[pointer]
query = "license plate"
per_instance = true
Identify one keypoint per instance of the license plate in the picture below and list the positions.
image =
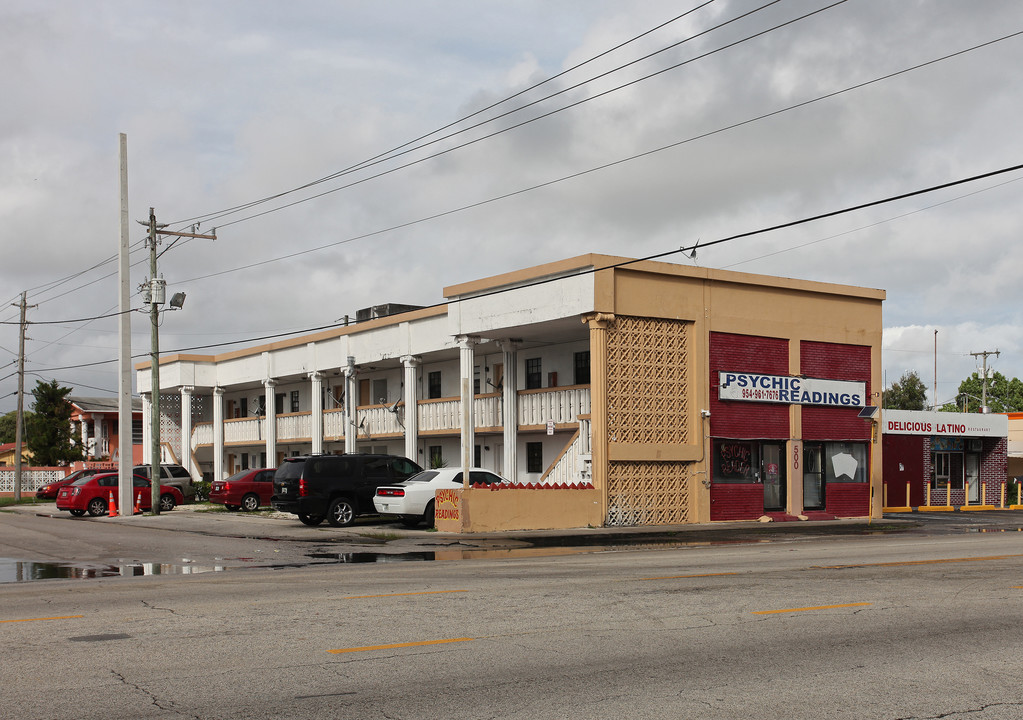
(284, 491)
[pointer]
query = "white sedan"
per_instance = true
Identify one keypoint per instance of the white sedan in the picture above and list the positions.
(412, 500)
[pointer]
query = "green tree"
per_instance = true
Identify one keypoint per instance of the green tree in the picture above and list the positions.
(1003, 394)
(906, 393)
(49, 432)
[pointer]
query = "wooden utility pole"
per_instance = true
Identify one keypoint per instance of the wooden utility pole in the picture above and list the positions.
(21, 402)
(157, 293)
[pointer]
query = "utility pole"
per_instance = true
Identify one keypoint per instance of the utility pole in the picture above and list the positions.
(157, 293)
(984, 354)
(156, 297)
(125, 417)
(21, 401)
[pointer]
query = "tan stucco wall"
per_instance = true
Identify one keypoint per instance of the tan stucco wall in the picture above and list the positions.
(744, 304)
(482, 510)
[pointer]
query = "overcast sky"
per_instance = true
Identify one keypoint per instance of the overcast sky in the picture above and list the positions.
(229, 102)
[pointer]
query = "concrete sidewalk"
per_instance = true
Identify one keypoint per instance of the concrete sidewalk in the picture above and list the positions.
(211, 520)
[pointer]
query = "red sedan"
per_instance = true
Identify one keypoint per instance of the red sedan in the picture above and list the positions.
(49, 490)
(91, 495)
(247, 489)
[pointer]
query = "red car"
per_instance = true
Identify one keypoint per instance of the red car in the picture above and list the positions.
(91, 495)
(247, 489)
(50, 489)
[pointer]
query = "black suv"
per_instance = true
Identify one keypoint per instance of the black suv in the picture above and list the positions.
(336, 487)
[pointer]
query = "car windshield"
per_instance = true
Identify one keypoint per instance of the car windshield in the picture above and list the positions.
(83, 480)
(239, 475)
(425, 476)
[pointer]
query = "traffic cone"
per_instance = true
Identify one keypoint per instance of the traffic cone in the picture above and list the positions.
(138, 503)
(112, 505)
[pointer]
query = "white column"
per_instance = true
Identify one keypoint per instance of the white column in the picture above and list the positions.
(270, 405)
(218, 433)
(351, 394)
(85, 437)
(511, 410)
(468, 416)
(316, 381)
(411, 363)
(147, 428)
(186, 428)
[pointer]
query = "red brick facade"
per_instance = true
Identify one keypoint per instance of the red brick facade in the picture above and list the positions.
(835, 362)
(764, 421)
(745, 353)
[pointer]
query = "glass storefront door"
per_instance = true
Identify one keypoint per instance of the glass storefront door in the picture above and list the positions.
(813, 477)
(772, 474)
(972, 472)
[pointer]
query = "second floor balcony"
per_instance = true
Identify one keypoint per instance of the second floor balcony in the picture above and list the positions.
(535, 409)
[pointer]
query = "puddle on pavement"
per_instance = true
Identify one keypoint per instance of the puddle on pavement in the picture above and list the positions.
(13, 571)
(453, 553)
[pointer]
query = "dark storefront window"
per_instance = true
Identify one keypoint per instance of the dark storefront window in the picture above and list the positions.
(831, 462)
(736, 461)
(753, 462)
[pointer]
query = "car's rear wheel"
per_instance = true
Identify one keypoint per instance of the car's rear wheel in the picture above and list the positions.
(428, 514)
(310, 520)
(250, 502)
(167, 502)
(77, 513)
(341, 513)
(97, 507)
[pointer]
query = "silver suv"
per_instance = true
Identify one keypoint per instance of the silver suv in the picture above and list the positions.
(173, 475)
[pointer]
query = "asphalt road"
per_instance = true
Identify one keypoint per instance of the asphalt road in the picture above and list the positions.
(904, 625)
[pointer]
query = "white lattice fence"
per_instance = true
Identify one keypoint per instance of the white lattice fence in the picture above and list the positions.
(31, 480)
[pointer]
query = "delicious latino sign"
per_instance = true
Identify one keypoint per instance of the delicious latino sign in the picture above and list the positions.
(911, 422)
(753, 387)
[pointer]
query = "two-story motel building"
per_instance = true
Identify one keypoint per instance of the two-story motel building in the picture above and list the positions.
(610, 391)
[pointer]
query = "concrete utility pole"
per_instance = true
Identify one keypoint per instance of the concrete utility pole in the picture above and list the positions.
(125, 421)
(21, 401)
(157, 293)
(984, 354)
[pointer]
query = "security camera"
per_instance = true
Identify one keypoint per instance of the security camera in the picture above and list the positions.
(705, 413)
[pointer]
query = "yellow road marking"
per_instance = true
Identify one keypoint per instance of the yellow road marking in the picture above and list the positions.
(676, 577)
(425, 592)
(399, 645)
(61, 617)
(915, 562)
(802, 609)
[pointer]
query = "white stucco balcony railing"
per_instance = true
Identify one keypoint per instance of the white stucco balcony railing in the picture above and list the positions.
(202, 434)
(488, 410)
(440, 414)
(295, 426)
(242, 430)
(562, 405)
(536, 407)
(334, 423)
(379, 420)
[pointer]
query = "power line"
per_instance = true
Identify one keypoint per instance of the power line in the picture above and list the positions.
(543, 281)
(529, 121)
(588, 171)
(68, 322)
(213, 215)
(207, 217)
